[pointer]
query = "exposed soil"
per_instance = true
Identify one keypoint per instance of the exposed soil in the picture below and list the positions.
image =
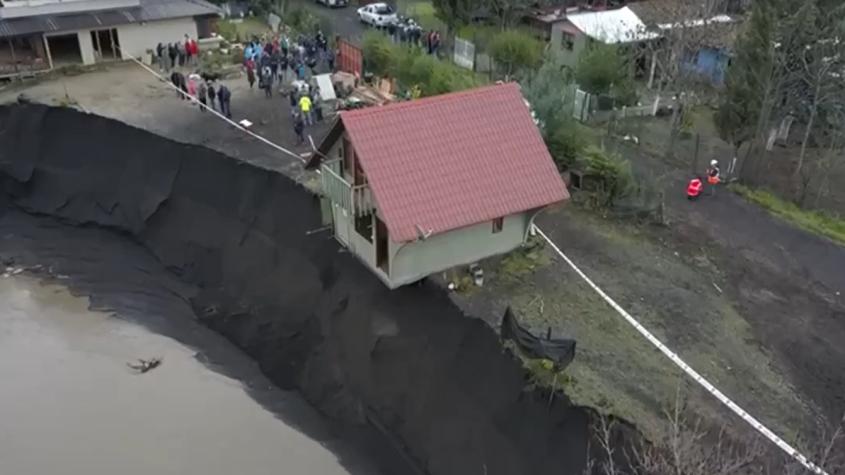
(408, 361)
(769, 336)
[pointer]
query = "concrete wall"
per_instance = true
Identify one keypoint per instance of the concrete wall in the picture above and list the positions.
(410, 262)
(136, 39)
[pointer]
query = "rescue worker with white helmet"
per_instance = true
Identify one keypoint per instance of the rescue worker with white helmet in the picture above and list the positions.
(713, 173)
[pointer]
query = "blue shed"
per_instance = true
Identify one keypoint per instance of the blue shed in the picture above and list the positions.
(709, 63)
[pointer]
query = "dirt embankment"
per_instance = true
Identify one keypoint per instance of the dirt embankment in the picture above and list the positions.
(312, 317)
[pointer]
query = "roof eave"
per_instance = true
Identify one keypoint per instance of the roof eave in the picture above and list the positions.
(332, 136)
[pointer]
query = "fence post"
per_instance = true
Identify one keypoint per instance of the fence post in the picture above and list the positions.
(695, 153)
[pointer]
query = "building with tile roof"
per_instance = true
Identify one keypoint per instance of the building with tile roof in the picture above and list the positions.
(418, 187)
(38, 35)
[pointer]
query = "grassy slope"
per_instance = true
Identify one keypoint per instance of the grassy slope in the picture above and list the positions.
(616, 369)
(831, 227)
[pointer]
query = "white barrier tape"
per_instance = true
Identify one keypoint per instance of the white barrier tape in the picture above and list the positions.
(221, 116)
(792, 452)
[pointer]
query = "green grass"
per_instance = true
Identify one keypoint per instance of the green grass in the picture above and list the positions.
(242, 30)
(823, 224)
(615, 370)
(423, 13)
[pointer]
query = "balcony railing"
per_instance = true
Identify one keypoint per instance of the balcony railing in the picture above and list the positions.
(357, 200)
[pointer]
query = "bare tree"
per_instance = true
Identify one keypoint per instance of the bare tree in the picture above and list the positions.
(688, 449)
(684, 27)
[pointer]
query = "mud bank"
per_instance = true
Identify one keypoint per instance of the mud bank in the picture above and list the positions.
(407, 361)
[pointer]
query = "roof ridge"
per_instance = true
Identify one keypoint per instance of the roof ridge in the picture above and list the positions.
(416, 103)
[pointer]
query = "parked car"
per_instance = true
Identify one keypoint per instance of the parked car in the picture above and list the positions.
(377, 14)
(334, 3)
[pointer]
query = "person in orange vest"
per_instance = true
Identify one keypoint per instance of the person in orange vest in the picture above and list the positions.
(694, 188)
(713, 173)
(713, 176)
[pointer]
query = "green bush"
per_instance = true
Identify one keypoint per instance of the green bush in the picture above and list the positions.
(515, 50)
(227, 29)
(302, 21)
(566, 143)
(625, 93)
(411, 67)
(612, 172)
(600, 68)
(380, 55)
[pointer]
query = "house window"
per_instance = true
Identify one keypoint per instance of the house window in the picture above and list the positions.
(498, 224)
(364, 226)
(567, 42)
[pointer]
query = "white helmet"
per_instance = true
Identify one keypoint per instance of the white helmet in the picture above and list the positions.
(713, 163)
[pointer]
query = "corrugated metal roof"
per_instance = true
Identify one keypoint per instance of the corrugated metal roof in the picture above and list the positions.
(150, 10)
(612, 26)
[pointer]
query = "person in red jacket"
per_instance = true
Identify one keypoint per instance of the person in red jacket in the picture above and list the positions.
(195, 51)
(694, 188)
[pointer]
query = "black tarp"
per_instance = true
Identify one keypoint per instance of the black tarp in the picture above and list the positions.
(561, 351)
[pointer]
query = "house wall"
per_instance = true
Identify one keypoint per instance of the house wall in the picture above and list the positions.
(86, 47)
(410, 262)
(135, 39)
(567, 57)
(345, 232)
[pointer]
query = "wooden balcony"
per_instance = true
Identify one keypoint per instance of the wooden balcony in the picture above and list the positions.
(357, 200)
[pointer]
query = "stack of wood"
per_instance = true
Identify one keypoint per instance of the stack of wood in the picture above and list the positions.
(372, 96)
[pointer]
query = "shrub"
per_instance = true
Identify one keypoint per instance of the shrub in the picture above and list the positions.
(566, 144)
(380, 55)
(613, 173)
(601, 67)
(227, 29)
(302, 21)
(550, 91)
(412, 68)
(515, 50)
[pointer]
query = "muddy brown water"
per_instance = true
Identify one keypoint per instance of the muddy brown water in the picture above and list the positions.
(70, 404)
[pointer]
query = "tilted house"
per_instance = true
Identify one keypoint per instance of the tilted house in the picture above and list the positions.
(418, 187)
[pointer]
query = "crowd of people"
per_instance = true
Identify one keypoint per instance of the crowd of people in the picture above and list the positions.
(180, 53)
(281, 59)
(205, 89)
(407, 31)
(267, 62)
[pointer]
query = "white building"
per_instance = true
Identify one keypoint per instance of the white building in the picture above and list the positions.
(38, 35)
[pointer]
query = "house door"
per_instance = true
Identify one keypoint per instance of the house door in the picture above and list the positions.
(106, 44)
(381, 247)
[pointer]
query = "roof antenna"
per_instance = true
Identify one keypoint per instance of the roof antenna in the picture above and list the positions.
(422, 235)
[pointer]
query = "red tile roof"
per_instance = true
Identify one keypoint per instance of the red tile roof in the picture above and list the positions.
(450, 161)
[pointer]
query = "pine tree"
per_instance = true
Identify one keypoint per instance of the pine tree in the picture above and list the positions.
(748, 78)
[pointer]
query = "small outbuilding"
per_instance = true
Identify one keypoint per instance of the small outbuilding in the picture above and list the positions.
(40, 35)
(612, 27)
(418, 187)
